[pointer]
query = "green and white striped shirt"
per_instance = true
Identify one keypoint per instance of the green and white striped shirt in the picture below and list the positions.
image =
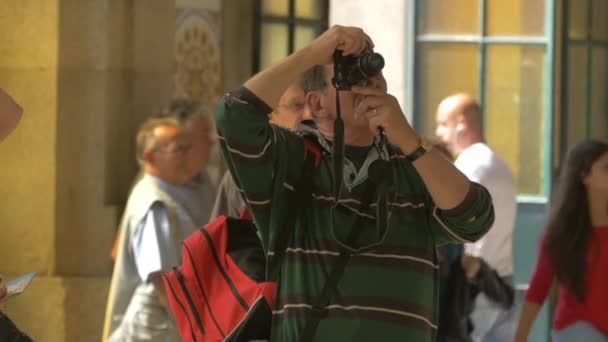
(388, 292)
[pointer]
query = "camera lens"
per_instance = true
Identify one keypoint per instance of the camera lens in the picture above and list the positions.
(371, 63)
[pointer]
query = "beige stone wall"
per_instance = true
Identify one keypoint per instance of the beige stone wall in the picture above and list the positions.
(87, 73)
(29, 43)
(28, 71)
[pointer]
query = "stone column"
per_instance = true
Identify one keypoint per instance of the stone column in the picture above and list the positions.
(237, 31)
(29, 45)
(87, 73)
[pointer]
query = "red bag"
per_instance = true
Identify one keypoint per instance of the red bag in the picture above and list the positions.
(220, 292)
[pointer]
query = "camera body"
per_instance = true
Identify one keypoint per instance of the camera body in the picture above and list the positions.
(353, 70)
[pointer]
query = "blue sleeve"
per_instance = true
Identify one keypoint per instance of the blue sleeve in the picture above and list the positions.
(154, 247)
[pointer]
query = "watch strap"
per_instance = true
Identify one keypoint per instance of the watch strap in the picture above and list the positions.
(418, 152)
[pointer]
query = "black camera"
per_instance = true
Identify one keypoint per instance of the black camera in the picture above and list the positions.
(354, 70)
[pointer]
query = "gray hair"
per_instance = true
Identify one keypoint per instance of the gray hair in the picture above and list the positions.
(185, 111)
(313, 79)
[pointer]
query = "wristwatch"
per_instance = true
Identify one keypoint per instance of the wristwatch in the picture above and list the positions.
(424, 147)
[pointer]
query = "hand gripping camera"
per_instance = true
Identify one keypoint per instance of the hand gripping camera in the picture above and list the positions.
(353, 70)
(349, 71)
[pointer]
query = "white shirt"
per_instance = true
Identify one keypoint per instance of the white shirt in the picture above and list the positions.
(482, 165)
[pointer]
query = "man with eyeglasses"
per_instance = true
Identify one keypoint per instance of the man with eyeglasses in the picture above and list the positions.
(290, 112)
(169, 202)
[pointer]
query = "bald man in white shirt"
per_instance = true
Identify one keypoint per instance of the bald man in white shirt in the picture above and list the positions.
(459, 126)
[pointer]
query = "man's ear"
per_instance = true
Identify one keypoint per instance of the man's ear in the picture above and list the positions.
(460, 123)
(149, 156)
(316, 104)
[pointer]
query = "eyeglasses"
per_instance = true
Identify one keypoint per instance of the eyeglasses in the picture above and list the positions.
(176, 149)
(293, 106)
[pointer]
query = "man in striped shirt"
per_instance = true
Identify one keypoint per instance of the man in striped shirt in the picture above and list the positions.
(388, 290)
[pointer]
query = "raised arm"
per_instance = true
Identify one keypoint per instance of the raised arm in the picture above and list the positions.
(10, 114)
(462, 210)
(447, 186)
(269, 84)
(261, 158)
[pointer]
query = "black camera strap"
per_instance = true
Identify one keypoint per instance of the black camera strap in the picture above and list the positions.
(338, 149)
(319, 306)
(378, 181)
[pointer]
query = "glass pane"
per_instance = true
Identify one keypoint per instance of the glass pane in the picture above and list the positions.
(577, 90)
(578, 19)
(599, 29)
(514, 111)
(516, 17)
(303, 36)
(275, 7)
(599, 94)
(274, 44)
(439, 78)
(449, 17)
(309, 9)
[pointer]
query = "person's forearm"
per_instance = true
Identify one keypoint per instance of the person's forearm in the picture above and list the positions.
(528, 315)
(448, 186)
(270, 83)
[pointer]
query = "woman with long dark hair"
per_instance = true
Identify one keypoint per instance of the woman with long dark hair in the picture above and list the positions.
(574, 251)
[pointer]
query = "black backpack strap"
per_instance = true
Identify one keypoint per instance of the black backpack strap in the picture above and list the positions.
(301, 198)
(319, 310)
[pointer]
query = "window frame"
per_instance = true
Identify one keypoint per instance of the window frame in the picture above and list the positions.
(482, 41)
(291, 20)
(589, 43)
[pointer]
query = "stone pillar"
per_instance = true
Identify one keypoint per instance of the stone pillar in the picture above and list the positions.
(237, 52)
(153, 57)
(29, 72)
(87, 73)
(238, 46)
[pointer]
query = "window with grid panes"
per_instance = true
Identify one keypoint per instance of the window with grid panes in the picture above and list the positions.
(284, 26)
(495, 50)
(586, 72)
